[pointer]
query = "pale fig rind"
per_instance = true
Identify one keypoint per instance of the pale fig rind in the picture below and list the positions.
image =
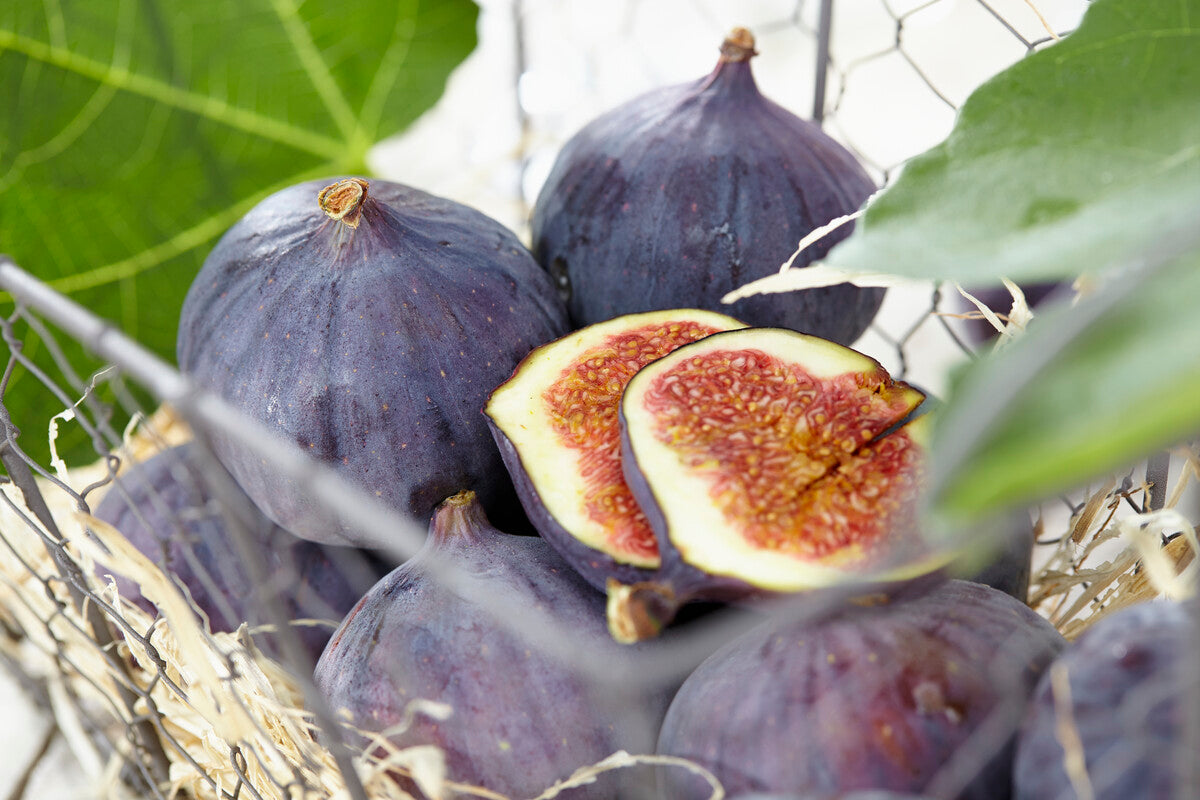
(795, 385)
(881, 698)
(593, 565)
(688, 192)
(521, 719)
(555, 422)
(371, 347)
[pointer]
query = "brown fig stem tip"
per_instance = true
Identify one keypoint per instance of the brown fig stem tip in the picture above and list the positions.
(343, 201)
(738, 46)
(638, 611)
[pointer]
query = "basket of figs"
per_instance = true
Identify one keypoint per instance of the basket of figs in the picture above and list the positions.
(428, 511)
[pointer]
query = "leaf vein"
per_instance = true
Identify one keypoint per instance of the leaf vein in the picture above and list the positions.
(389, 67)
(159, 91)
(319, 72)
(203, 231)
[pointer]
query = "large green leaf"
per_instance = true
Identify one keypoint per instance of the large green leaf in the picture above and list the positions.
(1072, 161)
(1088, 389)
(135, 132)
(1077, 157)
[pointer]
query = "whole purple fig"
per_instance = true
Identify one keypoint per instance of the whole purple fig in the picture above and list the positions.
(170, 508)
(521, 719)
(889, 698)
(687, 192)
(367, 323)
(1125, 698)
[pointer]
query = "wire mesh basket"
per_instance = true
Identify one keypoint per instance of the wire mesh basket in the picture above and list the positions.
(167, 696)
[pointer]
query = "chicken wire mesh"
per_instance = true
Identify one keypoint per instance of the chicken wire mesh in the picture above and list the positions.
(164, 703)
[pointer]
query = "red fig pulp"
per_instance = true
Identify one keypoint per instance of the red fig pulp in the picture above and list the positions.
(764, 462)
(556, 423)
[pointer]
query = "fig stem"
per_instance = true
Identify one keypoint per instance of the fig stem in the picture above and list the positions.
(738, 46)
(459, 516)
(639, 611)
(343, 201)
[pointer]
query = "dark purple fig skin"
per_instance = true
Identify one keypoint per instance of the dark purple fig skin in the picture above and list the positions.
(876, 698)
(1133, 680)
(372, 348)
(688, 192)
(170, 510)
(523, 720)
(868, 794)
(1010, 567)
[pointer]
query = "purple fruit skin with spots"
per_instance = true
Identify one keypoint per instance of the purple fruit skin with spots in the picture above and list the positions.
(688, 192)
(373, 349)
(169, 509)
(1132, 678)
(868, 794)
(879, 698)
(522, 720)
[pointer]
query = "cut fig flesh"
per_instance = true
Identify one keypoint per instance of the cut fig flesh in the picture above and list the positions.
(759, 455)
(559, 414)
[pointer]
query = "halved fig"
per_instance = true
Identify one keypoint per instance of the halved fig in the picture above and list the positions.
(765, 462)
(555, 422)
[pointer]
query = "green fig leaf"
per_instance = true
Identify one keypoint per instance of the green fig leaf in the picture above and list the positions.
(1076, 159)
(134, 134)
(1089, 388)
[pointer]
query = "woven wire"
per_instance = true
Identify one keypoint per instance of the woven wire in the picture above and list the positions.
(118, 705)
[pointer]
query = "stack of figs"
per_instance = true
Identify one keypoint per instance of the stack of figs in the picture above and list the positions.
(671, 456)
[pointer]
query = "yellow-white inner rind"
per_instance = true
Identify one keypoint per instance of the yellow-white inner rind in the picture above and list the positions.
(698, 529)
(519, 410)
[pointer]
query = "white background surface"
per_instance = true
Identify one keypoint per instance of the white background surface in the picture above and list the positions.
(583, 57)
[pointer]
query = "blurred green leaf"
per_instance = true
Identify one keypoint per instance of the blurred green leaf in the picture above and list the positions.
(135, 133)
(1088, 389)
(1077, 158)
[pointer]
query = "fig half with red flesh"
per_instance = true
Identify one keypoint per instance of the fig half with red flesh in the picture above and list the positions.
(555, 422)
(766, 462)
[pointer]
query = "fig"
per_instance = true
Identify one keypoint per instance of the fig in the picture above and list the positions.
(768, 461)
(555, 422)
(1126, 697)
(367, 323)
(171, 509)
(688, 192)
(521, 719)
(894, 697)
